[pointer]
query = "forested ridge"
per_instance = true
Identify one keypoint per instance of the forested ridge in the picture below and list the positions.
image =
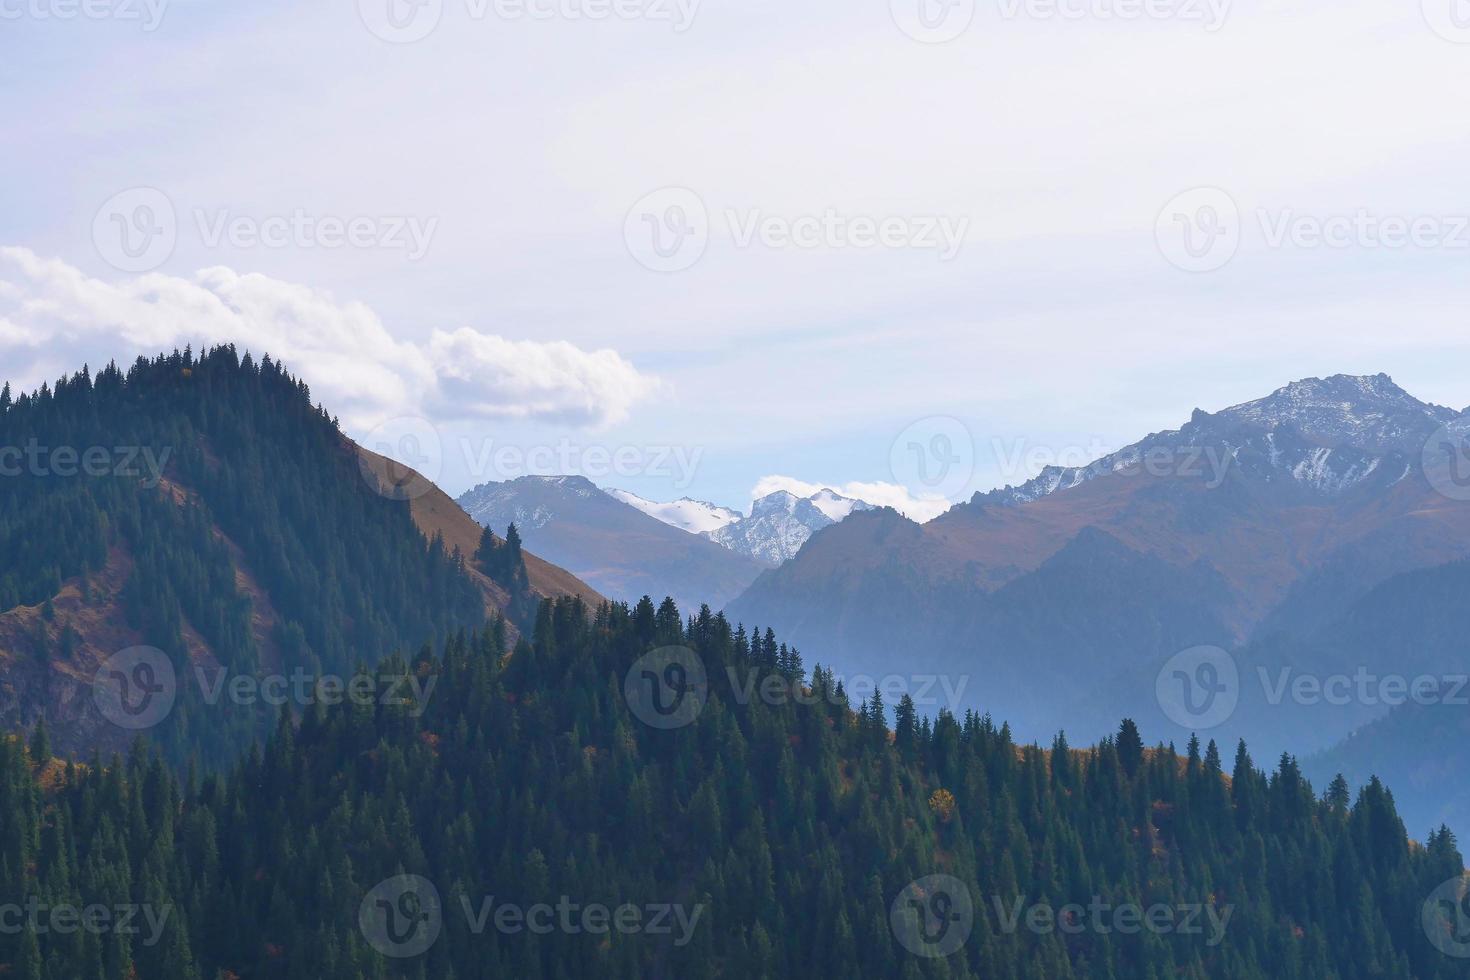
(187, 470)
(787, 831)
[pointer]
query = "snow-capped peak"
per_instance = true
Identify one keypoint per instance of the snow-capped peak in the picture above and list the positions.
(778, 525)
(1327, 435)
(694, 516)
(836, 506)
(1367, 412)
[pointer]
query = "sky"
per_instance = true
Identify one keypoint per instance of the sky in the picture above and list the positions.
(909, 249)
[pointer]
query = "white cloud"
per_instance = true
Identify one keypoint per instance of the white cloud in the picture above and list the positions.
(498, 378)
(53, 318)
(921, 509)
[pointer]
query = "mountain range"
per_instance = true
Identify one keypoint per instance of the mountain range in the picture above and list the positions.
(618, 549)
(552, 742)
(1272, 529)
(627, 546)
(778, 525)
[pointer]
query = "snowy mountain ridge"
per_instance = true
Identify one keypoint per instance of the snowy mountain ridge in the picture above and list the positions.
(1322, 435)
(778, 525)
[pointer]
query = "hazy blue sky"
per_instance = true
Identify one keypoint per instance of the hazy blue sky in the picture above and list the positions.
(958, 227)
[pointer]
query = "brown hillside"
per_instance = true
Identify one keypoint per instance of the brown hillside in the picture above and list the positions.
(435, 512)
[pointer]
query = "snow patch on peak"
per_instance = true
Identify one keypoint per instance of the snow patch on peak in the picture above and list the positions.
(686, 514)
(836, 506)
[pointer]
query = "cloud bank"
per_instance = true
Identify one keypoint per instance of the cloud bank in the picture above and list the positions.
(53, 318)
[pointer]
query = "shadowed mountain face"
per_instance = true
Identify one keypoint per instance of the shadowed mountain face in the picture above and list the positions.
(618, 549)
(1258, 527)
